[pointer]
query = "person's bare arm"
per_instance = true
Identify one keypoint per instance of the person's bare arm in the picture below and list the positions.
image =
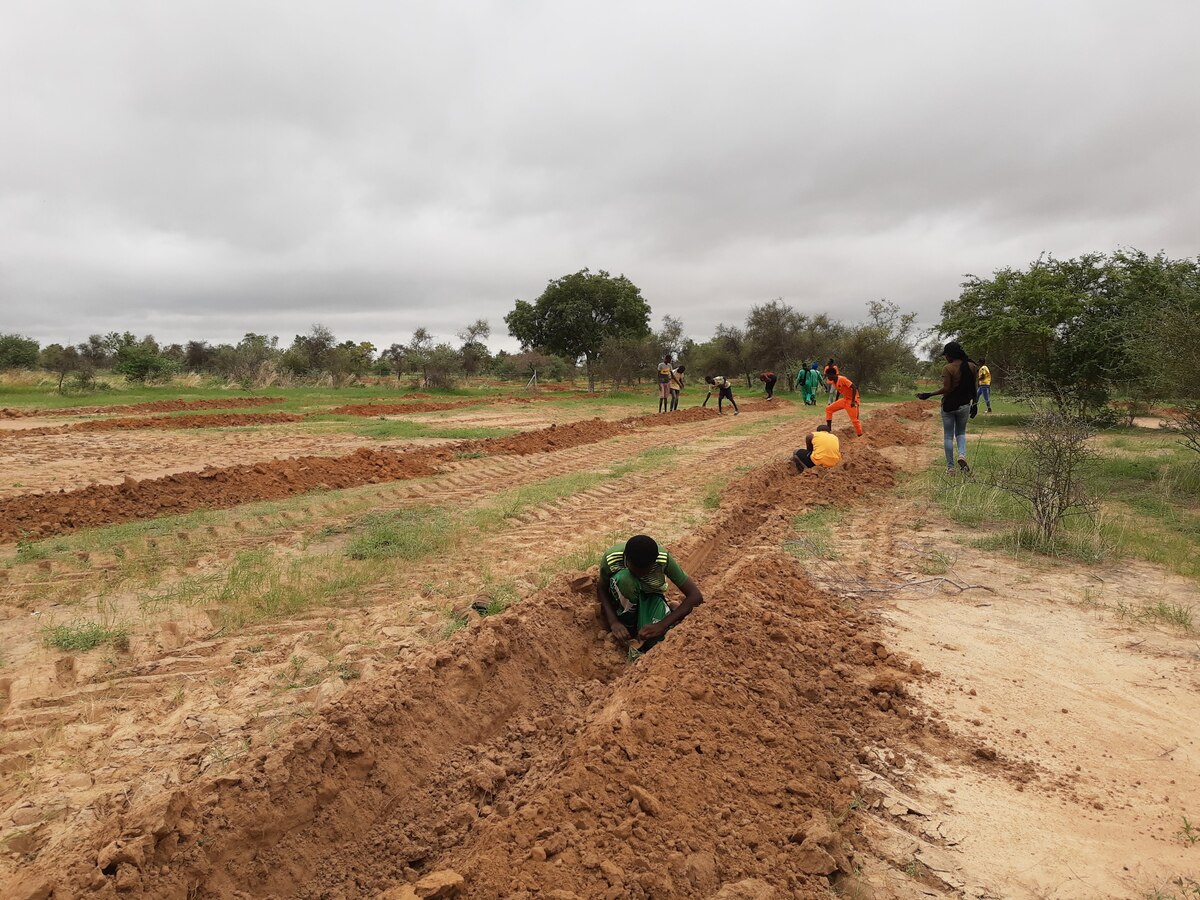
(691, 599)
(947, 386)
(620, 632)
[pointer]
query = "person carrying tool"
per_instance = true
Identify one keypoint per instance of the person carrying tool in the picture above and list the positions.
(632, 591)
(848, 400)
(821, 448)
(724, 392)
(769, 379)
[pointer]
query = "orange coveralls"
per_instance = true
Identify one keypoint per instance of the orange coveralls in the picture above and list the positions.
(847, 400)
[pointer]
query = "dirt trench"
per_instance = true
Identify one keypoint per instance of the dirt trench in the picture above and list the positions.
(531, 756)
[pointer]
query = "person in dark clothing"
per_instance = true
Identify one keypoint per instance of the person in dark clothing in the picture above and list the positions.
(724, 390)
(769, 379)
(958, 394)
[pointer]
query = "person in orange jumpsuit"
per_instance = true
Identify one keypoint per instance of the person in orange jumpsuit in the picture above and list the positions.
(847, 400)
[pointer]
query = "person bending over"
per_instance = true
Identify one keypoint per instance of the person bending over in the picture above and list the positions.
(769, 379)
(724, 390)
(821, 448)
(632, 591)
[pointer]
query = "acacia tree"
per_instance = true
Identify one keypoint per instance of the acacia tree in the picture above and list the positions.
(774, 330)
(64, 361)
(737, 346)
(575, 313)
(474, 352)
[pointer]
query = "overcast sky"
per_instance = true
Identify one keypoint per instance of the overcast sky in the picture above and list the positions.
(203, 169)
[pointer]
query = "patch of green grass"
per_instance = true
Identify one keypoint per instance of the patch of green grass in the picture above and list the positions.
(1174, 614)
(86, 635)
(401, 534)
(1148, 506)
(399, 429)
(455, 622)
(813, 538)
(261, 587)
(1081, 544)
(713, 490)
(937, 563)
(500, 597)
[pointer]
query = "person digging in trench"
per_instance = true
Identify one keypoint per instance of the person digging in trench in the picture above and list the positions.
(821, 448)
(632, 591)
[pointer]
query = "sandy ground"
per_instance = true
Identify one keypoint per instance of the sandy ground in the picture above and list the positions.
(1094, 722)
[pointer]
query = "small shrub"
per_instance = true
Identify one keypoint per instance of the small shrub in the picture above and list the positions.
(1048, 472)
(84, 636)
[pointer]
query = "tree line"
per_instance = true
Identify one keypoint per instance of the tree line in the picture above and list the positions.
(1088, 329)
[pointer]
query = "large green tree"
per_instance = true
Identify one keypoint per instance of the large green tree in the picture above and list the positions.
(1068, 326)
(575, 314)
(18, 352)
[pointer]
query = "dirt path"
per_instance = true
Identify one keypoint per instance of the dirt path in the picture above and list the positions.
(1088, 724)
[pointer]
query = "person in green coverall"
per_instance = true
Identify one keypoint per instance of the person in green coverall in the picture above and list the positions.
(632, 591)
(811, 381)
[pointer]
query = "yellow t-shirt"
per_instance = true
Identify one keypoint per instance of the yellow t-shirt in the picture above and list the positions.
(826, 449)
(985, 375)
(676, 380)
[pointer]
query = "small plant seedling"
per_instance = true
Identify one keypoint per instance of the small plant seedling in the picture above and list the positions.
(1189, 833)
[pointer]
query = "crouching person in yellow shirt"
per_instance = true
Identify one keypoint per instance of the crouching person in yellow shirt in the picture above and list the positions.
(821, 448)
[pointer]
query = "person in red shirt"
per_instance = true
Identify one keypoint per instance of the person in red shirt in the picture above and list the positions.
(847, 400)
(769, 379)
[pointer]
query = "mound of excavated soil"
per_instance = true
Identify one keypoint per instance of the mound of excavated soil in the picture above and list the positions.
(102, 504)
(529, 755)
(394, 409)
(126, 424)
(152, 406)
(42, 515)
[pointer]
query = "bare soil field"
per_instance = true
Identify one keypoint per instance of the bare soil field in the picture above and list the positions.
(376, 669)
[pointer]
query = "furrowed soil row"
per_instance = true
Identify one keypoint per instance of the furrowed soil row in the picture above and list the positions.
(42, 515)
(523, 543)
(229, 420)
(530, 756)
(151, 406)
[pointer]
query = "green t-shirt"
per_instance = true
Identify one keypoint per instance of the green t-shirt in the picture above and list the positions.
(613, 561)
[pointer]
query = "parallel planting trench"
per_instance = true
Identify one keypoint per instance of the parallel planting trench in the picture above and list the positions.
(533, 757)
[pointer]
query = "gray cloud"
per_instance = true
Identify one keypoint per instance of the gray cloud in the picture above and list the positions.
(201, 169)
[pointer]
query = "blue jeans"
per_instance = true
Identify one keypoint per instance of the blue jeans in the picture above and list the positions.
(985, 391)
(954, 430)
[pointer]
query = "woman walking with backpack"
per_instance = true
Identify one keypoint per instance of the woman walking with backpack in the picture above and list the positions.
(958, 394)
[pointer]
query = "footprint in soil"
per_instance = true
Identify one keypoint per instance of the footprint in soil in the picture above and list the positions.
(64, 671)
